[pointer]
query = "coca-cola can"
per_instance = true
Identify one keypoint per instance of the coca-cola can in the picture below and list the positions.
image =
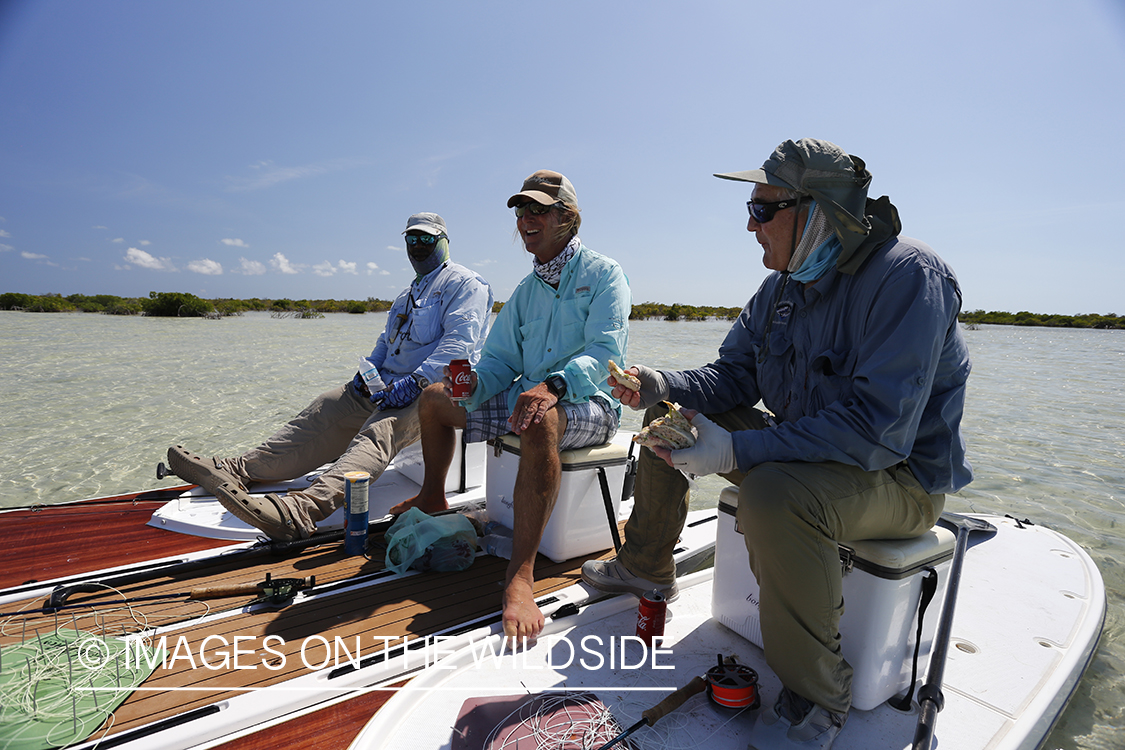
(650, 616)
(459, 372)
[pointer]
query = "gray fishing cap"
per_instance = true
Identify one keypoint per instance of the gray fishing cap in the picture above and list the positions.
(837, 181)
(428, 223)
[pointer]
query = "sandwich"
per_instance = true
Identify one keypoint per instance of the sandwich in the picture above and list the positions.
(672, 431)
(632, 382)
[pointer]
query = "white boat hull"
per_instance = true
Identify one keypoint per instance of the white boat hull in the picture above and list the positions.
(1030, 611)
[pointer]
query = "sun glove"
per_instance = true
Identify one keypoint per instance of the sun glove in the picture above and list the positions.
(713, 452)
(401, 394)
(654, 388)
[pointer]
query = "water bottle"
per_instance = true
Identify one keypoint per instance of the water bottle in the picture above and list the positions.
(497, 540)
(370, 375)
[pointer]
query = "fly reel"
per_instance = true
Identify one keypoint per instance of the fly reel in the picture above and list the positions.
(731, 685)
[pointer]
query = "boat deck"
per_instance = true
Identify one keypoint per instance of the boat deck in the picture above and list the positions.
(56, 541)
(275, 645)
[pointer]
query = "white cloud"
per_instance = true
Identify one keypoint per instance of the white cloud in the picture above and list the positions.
(281, 263)
(250, 267)
(146, 242)
(324, 269)
(234, 243)
(146, 260)
(268, 174)
(32, 256)
(396, 249)
(118, 239)
(384, 273)
(347, 267)
(99, 226)
(206, 266)
(372, 268)
(6, 248)
(4, 234)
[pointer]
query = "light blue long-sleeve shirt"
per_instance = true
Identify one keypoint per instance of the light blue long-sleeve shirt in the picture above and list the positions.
(440, 317)
(571, 331)
(867, 370)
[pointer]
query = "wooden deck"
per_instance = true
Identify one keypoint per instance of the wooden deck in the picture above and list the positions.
(53, 541)
(409, 607)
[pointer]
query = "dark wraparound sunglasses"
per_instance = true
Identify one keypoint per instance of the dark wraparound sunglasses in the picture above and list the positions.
(536, 209)
(420, 239)
(763, 212)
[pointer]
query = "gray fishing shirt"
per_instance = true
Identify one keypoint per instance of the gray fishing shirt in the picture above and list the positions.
(866, 369)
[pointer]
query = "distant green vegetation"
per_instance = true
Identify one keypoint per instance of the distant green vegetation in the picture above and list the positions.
(650, 310)
(182, 304)
(1024, 318)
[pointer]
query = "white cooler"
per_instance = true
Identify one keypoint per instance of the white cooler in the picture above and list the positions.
(579, 524)
(465, 472)
(882, 587)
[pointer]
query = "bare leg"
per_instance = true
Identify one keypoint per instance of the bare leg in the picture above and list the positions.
(534, 497)
(437, 416)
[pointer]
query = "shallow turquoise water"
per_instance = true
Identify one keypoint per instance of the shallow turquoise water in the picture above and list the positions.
(90, 403)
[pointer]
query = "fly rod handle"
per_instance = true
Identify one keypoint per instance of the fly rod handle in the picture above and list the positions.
(239, 589)
(675, 700)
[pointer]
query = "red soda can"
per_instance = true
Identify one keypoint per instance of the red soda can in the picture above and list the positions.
(650, 616)
(459, 371)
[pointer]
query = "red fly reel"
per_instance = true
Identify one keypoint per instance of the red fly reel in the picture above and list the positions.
(733, 685)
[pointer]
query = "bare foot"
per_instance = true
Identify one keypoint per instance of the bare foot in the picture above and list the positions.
(429, 505)
(522, 618)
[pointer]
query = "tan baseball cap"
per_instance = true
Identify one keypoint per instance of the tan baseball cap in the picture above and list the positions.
(546, 187)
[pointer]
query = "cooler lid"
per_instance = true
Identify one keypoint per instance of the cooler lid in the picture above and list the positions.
(577, 459)
(885, 558)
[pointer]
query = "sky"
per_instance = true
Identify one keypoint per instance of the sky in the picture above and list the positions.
(275, 149)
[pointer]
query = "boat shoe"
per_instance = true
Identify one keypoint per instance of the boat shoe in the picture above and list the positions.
(611, 575)
(794, 722)
(268, 513)
(208, 473)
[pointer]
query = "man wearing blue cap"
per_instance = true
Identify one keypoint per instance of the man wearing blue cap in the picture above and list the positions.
(359, 426)
(853, 346)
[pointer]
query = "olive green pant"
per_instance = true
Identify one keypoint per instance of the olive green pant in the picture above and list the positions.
(792, 516)
(340, 427)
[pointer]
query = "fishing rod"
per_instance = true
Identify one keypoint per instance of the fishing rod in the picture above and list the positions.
(698, 684)
(277, 592)
(176, 567)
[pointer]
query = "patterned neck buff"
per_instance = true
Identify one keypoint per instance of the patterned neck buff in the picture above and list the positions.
(551, 271)
(818, 249)
(439, 255)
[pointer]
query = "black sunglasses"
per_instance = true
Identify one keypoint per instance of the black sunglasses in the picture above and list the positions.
(536, 209)
(763, 212)
(423, 239)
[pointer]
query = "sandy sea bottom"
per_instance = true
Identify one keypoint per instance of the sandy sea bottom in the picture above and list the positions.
(92, 402)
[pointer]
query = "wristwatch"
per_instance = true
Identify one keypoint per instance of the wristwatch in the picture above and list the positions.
(556, 384)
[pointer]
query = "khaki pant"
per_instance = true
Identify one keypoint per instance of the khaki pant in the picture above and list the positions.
(792, 515)
(340, 426)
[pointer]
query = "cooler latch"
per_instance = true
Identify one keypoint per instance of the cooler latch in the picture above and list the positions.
(847, 559)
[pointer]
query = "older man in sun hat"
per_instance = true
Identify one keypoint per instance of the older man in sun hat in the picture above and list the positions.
(359, 426)
(853, 346)
(542, 375)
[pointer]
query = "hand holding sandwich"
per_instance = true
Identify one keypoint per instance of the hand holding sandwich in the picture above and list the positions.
(713, 452)
(637, 387)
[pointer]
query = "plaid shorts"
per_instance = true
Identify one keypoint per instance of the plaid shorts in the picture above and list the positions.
(591, 423)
